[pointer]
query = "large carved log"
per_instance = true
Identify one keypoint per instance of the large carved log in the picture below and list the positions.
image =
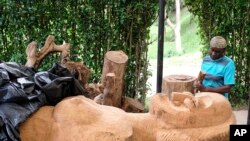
(115, 62)
(177, 83)
(203, 117)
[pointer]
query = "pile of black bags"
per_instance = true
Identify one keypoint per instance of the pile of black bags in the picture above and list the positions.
(23, 90)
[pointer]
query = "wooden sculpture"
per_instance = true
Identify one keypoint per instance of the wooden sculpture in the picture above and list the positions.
(183, 117)
(204, 117)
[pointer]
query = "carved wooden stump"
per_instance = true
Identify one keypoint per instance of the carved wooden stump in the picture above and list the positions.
(177, 83)
(115, 62)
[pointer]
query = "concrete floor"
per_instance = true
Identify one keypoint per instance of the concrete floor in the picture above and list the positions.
(241, 116)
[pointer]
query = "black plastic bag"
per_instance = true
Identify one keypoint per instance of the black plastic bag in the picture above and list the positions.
(23, 91)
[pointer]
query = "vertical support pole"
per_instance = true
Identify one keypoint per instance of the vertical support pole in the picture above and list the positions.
(160, 45)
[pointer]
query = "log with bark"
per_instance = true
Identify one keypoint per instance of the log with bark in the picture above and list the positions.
(106, 97)
(115, 62)
(113, 83)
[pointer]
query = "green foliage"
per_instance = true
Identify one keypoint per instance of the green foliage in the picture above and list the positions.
(92, 27)
(231, 20)
(188, 29)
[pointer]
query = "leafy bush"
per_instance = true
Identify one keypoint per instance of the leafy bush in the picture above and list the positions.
(92, 27)
(229, 19)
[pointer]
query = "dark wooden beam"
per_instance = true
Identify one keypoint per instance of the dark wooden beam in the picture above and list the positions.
(160, 45)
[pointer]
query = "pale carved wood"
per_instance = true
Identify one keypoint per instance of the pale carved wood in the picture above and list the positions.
(79, 118)
(177, 83)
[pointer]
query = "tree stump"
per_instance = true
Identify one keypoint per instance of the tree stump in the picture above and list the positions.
(115, 62)
(177, 83)
(108, 91)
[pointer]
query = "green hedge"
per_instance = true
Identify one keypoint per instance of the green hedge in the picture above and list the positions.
(230, 19)
(92, 27)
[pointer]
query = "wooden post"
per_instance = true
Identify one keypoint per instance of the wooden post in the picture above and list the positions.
(109, 97)
(177, 83)
(115, 62)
